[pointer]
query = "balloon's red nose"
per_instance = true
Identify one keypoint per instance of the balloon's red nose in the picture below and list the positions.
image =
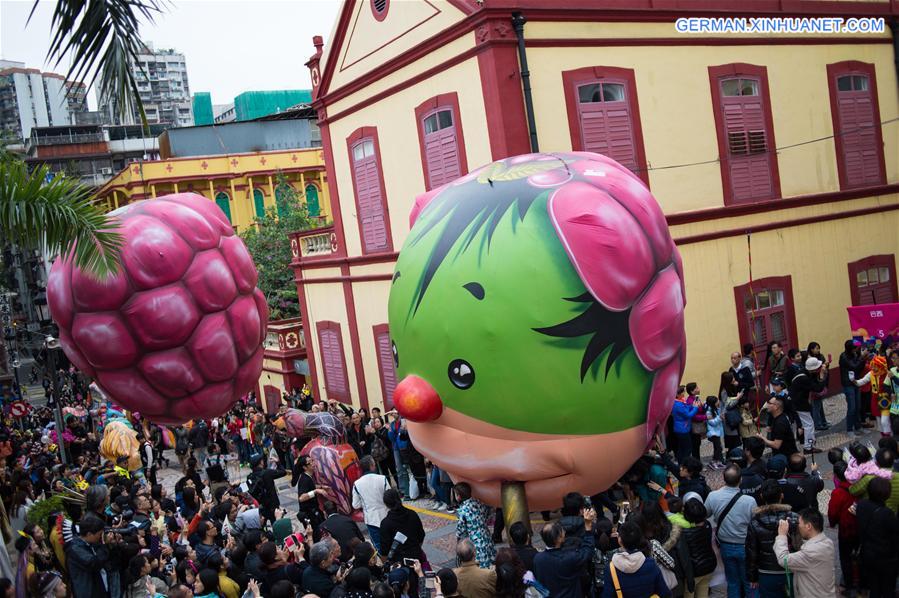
(417, 400)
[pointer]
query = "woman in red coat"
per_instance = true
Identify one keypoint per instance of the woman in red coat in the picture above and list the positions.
(847, 527)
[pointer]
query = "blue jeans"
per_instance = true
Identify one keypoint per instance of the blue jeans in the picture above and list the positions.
(851, 393)
(772, 585)
(734, 558)
(402, 475)
(375, 534)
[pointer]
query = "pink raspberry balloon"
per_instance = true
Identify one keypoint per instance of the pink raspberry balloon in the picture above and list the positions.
(177, 332)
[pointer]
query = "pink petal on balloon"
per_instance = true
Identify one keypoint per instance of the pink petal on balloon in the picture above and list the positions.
(208, 208)
(211, 401)
(657, 321)
(240, 262)
(632, 193)
(91, 294)
(679, 266)
(130, 389)
(248, 374)
(661, 396)
(422, 201)
(192, 225)
(59, 293)
(244, 318)
(74, 355)
(153, 254)
(262, 308)
(604, 243)
(104, 340)
(172, 373)
(210, 282)
(212, 348)
(162, 318)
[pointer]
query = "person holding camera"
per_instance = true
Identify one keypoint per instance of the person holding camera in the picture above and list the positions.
(560, 569)
(87, 557)
(764, 573)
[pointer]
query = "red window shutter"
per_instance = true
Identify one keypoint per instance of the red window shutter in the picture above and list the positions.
(747, 141)
(372, 218)
(388, 370)
(857, 127)
(332, 361)
(606, 129)
(442, 153)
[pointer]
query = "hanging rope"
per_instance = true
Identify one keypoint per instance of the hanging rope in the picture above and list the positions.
(752, 335)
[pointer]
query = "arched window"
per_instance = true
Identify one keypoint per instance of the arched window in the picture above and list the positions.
(259, 203)
(312, 207)
(224, 203)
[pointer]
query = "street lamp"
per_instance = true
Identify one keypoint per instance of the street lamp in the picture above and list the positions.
(52, 345)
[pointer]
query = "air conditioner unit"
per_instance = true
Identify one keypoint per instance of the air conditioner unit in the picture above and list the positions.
(106, 171)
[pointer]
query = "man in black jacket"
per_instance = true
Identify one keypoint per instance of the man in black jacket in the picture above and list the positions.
(399, 519)
(813, 379)
(342, 528)
(808, 484)
(318, 578)
(762, 569)
(261, 483)
(755, 473)
(878, 530)
(86, 557)
(850, 368)
(560, 569)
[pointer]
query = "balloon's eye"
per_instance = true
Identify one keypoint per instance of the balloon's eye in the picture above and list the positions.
(396, 354)
(461, 374)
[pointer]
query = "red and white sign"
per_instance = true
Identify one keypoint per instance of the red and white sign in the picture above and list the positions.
(18, 409)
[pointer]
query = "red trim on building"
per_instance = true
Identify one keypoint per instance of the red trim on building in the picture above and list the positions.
(887, 261)
(333, 193)
(347, 278)
(737, 69)
(841, 68)
(570, 80)
(773, 205)
(307, 326)
(736, 232)
(645, 10)
(613, 42)
(328, 261)
(379, 16)
(507, 127)
(449, 100)
(334, 49)
(782, 283)
(354, 137)
(344, 66)
(353, 323)
(431, 72)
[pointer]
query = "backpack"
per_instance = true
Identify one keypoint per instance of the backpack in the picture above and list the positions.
(255, 486)
(379, 450)
(732, 417)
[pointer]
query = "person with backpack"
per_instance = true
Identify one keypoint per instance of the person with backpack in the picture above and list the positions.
(382, 450)
(182, 445)
(199, 440)
(729, 394)
(812, 380)
(261, 485)
(765, 574)
(630, 573)
(697, 539)
(732, 511)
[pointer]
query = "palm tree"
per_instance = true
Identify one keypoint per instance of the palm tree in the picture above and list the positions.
(56, 214)
(101, 39)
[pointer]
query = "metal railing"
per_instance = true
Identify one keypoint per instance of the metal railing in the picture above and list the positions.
(66, 139)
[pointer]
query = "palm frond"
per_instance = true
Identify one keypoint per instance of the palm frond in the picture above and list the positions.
(101, 39)
(57, 215)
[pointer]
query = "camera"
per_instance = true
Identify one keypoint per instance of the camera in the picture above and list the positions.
(588, 503)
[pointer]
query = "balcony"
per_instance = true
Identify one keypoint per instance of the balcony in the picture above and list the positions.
(314, 243)
(66, 139)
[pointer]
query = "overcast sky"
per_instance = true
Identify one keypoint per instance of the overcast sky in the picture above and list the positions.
(230, 46)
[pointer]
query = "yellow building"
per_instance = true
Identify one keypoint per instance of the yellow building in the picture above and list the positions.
(243, 185)
(775, 156)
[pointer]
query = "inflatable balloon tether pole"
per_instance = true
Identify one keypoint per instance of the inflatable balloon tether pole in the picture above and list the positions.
(515, 504)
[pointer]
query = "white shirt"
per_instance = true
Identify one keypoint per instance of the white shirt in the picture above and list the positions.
(368, 495)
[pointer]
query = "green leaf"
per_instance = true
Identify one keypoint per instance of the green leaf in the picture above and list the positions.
(57, 216)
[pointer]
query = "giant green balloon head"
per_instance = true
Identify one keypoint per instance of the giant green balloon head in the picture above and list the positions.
(536, 315)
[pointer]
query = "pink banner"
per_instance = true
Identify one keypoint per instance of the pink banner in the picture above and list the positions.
(875, 323)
